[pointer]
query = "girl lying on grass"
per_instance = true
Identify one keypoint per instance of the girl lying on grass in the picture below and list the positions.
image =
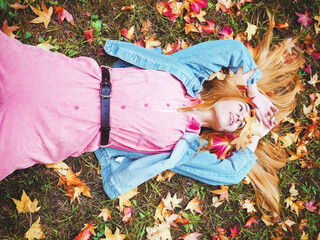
(155, 115)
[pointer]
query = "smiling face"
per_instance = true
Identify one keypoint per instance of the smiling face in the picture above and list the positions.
(228, 115)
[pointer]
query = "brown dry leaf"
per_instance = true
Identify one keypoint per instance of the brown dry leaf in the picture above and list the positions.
(194, 205)
(241, 37)
(116, 236)
(26, 205)
(267, 219)
(288, 139)
(223, 192)
(304, 236)
(44, 16)
(296, 206)
(105, 214)
(9, 30)
(124, 199)
(249, 206)
(146, 26)
(251, 30)
(60, 167)
(35, 231)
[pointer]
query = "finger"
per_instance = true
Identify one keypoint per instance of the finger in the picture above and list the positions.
(274, 109)
(266, 122)
(270, 113)
(258, 114)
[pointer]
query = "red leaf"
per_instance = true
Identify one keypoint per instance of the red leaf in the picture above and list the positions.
(210, 27)
(129, 34)
(139, 43)
(89, 35)
(304, 18)
(63, 14)
(226, 32)
(234, 231)
(223, 144)
(195, 5)
(309, 206)
(251, 220)
(84, 234)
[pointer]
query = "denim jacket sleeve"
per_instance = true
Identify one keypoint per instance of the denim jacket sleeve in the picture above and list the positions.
(193, 65)
(122, 171)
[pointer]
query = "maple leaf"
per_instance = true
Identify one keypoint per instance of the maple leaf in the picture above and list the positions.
(17, 5)
(215, 202)
(146, 26)
(253, 51)
(193, 205)
(45, 46)
(314, 79)
(116, 236)
(234, 232)
(285, 225)
(223, 193)
(126, 8)
(44, 16)
(304, 236)
(63, 14)
(223, 144)
(26, 205)
(85, 233)
(191, 236)
(170, 218)
(128, 34)
(251, 30)
(189, 27)
(182, 220)
(226, 33)
(293, 191)
(172, 48)
(285, 25)
(249, 206)
(127, 215)
(105, 214)
(296, 206)
(210, 27)
(139, 43)
(172, 10)
(151, 42)
(304, 18)
(251, 220)
(60, 167)
(89, 35)
(303, 224)
(195, 5)
(124, 199)
(309, 206)
(9, 30)
(35, 231)
(159, 232)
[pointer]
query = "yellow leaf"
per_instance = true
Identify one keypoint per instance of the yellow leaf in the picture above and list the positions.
(267, 219)
(35, 231)
(159, 212)
(296, 206)
(251, 30)
(193, 205)
(285, 225)
(60, 167)
(26, 205)
(90, 226)
(249, 206)
(44, 16)
(223, 192)
(189, 27)
(45, 46)
(116, 236)
(304, 236)
(151, 42)
(161, 232)
(314, 79)
(293, 191)
(124, 199)
(215, 202)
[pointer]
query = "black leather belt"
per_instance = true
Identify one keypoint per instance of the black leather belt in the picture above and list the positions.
(105, 94)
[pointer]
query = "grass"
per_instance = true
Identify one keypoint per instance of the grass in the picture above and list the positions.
(62, 219)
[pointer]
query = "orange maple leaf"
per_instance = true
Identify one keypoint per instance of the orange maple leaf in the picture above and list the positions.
(146, 26)
(251, 220)
(9, 30)
(44, 16)
(252, 51)
(17, 5)
(105, 214)
(26, 205)
(193, 205)
(35, 231)
(128, 34)
(116, 236)
(124, 199)
(189, 27)
(85, 233)
(223, 192)
(126, 8)
(63, 14)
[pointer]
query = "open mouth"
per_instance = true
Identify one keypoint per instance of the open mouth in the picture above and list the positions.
(231, 119)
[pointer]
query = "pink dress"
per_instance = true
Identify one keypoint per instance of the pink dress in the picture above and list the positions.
(50, 107)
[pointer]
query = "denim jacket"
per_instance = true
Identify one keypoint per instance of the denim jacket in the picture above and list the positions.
(122, 170)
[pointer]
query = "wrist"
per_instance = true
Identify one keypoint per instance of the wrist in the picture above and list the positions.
(252, 90)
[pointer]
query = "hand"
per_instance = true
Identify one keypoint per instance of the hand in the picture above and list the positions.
(265, 110)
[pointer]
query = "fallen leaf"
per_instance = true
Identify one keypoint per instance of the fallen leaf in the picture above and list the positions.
(146, 26)
(26, 205)
(128, 34)
(194, 205)
(304, 18)
(85, 233)
(17, 5)
(9, 30)
(159, 232)
(60, 167)
(89, 35)
(124, 199)
(44, 16)
(105, 214)
(285, 25)
(304, 236)
(249, 206)
(251, 220)
(314, 80)
(191, 236)
(253, 51)
(63, 14)
(151, 42)
(223, 192)
(234, 232)
(189, 27)
(226, 33)
(160, 211)
(210, 27)
(223, 144)
(309, 206)
(293, 191)
(287, 224)
(195, 5)
(45, 46)
(127, 215)
(303, 224)
(215, 202)
(296, 206)
(116, 236)
(35, 231)
(126, 8)
(251, 30)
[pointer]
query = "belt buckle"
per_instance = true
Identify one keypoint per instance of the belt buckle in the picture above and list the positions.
(105, 85)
